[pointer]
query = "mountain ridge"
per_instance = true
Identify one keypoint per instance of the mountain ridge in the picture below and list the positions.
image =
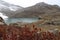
(40, 9)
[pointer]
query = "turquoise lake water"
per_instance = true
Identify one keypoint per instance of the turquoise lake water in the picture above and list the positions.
(14, 20)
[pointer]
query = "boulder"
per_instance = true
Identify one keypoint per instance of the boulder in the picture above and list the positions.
(2, 22)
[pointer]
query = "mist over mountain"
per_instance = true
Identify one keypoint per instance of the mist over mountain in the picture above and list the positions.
(8, 9)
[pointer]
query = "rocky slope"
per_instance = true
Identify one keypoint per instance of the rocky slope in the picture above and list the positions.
(38, 10)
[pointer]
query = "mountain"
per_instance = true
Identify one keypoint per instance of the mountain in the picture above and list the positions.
(39, 10)
(8, 9)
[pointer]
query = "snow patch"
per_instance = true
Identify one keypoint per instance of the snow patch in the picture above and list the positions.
(3, 16)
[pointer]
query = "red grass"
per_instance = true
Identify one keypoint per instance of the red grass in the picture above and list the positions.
(24, 33)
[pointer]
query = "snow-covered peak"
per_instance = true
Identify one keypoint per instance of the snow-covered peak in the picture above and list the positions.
(10, 6)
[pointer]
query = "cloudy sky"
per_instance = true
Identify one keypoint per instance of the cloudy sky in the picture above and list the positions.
(27, 3)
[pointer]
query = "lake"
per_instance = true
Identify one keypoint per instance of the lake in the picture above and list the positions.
(14, 20)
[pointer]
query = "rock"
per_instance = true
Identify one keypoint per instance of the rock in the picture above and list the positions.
(2, 22)
(55, 31)
(1, 19)
(13, 24)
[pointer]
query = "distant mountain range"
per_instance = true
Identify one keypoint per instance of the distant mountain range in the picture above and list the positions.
(39, 10)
